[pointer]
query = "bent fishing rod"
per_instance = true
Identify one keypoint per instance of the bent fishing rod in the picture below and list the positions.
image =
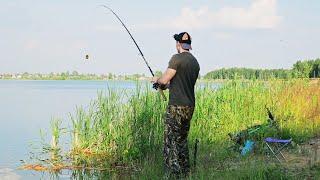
(156, 85)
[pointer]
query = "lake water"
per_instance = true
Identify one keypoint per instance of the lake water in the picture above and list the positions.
(28, 106)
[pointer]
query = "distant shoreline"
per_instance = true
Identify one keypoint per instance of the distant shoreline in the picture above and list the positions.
(312, 80)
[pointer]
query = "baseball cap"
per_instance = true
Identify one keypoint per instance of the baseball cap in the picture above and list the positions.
(185, 39)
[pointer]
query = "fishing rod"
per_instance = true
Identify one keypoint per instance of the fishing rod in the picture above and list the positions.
(155, 85)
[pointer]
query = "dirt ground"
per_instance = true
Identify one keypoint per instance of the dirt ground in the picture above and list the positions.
(304, 159)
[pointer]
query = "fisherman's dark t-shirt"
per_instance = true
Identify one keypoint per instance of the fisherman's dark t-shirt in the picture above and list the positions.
(181, 89)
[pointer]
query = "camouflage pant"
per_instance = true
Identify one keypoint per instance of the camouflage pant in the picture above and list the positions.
(177, 125)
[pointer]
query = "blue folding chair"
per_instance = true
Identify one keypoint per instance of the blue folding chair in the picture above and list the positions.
(276, 146)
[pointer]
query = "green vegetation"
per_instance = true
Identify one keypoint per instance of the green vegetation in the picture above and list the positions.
(120, 131)
(301, 69)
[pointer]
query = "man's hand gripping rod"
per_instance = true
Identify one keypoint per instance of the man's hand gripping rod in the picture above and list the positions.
(155, 85)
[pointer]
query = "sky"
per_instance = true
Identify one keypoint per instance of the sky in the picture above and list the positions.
(43, 36)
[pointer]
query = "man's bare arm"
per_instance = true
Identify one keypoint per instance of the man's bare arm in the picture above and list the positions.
(166, 76)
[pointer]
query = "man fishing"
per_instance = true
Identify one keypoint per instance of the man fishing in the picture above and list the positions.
(180, 76)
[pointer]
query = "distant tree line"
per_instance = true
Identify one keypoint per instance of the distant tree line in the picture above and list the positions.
(301, 69)
(72, 76)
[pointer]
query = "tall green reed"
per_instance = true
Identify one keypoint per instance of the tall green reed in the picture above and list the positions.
(121, 127)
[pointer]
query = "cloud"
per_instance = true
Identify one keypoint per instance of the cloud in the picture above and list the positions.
(261, 14)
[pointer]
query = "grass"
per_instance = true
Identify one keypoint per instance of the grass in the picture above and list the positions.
(120, 130)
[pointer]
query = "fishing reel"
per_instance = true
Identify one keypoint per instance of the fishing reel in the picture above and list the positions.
(160, 88)
(157, 86)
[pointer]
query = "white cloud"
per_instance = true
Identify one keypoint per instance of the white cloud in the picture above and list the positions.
(261, 14)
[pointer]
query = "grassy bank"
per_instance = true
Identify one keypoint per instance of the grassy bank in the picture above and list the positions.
(126, 131)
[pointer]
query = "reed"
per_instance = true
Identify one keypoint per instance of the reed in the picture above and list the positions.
(122, 128)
